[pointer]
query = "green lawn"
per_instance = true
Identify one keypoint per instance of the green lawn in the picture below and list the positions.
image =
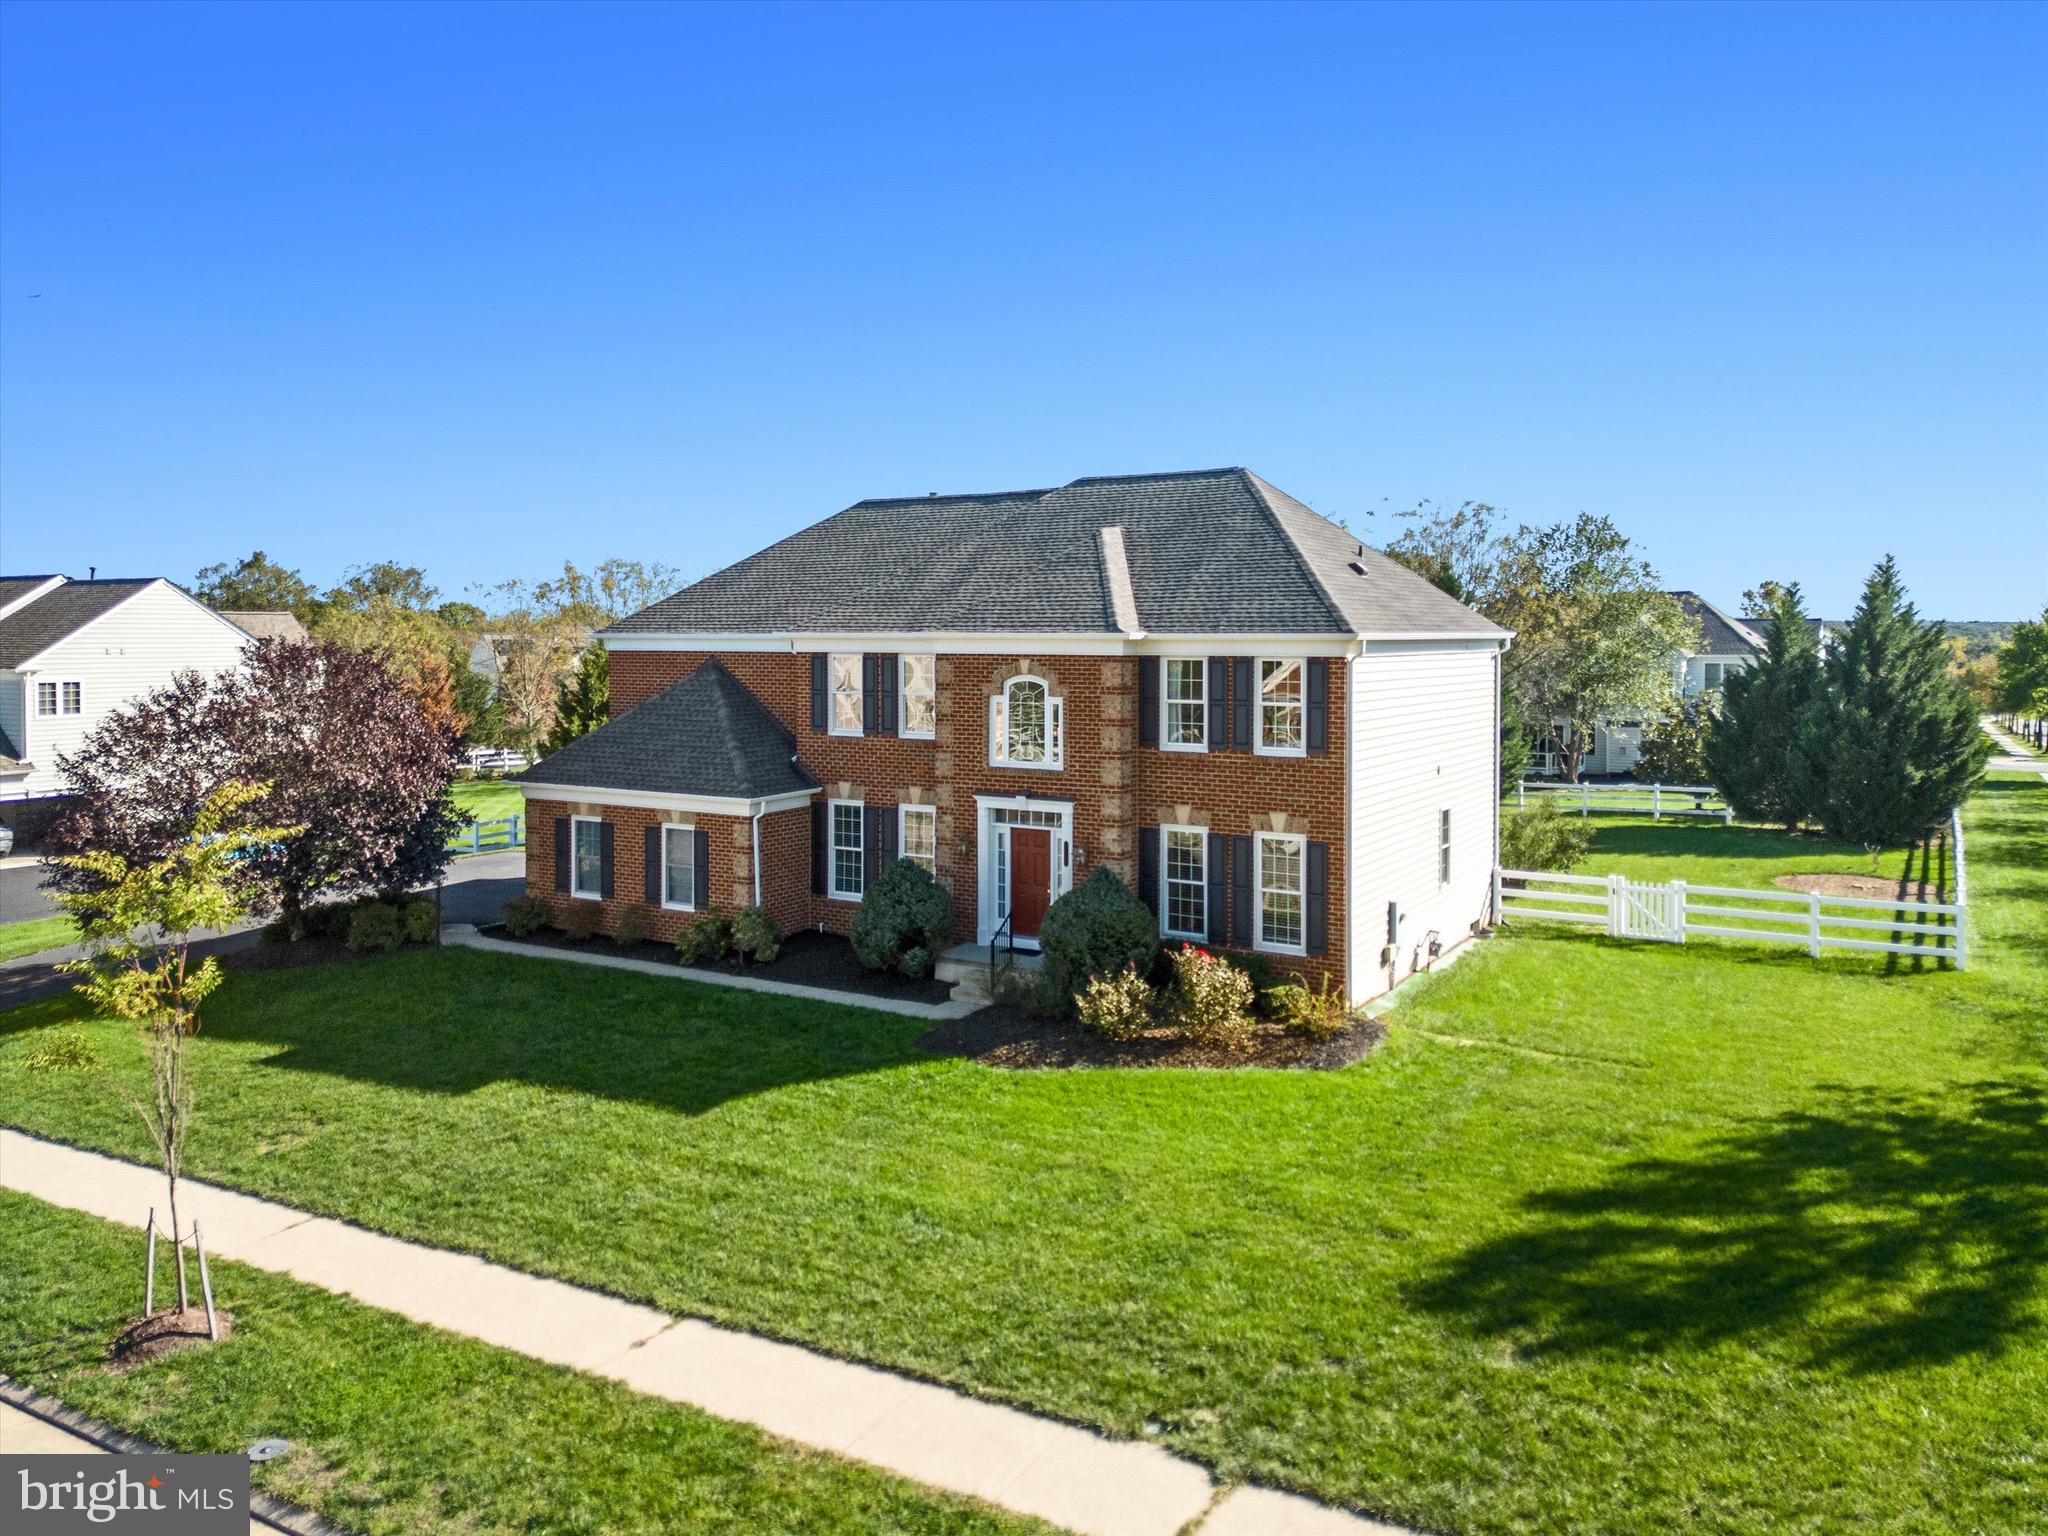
(1608, 1237)
(488, 799)
(36, 934)
(1707, 853)
(396, 1427)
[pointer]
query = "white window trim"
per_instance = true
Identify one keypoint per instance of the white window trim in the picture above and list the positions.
(1055, 727)
(689, 830)
(904, 815)
(1259, 747)
(1166, 884)
(1166, 701)
(903, 697)
(860, 692)
(1259, 889)
(832, 891)
(576, 892)
(56, 698)
(1443, 846)
(69, 684)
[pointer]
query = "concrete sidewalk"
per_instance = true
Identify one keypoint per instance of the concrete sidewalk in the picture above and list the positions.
(1059, 1472)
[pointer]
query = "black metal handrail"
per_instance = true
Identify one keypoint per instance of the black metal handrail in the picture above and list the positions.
(1002, 929)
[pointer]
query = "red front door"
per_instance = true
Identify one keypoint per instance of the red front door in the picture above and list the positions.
(1030, 878)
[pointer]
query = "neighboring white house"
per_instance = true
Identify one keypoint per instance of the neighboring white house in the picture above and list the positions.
(73, 651)
(1726, 646)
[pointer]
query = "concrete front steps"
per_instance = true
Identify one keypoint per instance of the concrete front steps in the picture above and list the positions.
(966, 966)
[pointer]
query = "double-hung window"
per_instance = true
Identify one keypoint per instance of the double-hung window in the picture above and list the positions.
(919, 829)
(918, 699)
(586, 871)
(1026, 725)
(679, 868)
(1713, 674)
(1282, 874)
(1443, 847)
(849, 850)
(1184, 874)
(1283, 709)
(74, 698)
(1185, 700)
(847, 716)
(46, 698)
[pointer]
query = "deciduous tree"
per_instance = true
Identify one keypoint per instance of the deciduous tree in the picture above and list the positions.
(254, 584)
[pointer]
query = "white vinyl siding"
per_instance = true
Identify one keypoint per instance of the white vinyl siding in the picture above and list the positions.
(586, 857)
(136, 646)
(1421, 722)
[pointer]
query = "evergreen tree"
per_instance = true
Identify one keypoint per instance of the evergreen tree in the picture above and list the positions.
(1756, 748)
(1516, 750)
(582, 699)
(1896, 735)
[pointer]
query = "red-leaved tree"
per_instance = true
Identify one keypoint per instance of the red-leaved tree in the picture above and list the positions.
(349, 755)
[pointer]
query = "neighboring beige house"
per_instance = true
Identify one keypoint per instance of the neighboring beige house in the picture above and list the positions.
(267, 623)
(73, 651)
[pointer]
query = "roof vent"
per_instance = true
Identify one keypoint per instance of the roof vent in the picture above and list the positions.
(1357, 567)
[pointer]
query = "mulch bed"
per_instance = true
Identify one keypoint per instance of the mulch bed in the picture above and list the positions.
(807, 960)
(1873, 887)
(165, 1333)
(1006, 1036)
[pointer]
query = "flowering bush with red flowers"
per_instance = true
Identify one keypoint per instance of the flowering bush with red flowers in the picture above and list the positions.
(1210, 1001)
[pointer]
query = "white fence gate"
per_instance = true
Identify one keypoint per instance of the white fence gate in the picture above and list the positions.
(1643, 909)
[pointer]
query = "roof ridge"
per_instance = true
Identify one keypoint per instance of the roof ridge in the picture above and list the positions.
(1158, 474)
(911, 501)
(1258, 488)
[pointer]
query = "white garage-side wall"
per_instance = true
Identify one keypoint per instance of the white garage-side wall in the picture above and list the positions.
(124, 653)
(1424, 739)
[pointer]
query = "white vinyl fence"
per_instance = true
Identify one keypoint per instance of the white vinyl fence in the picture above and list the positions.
(1659, 800)
(1670, 911)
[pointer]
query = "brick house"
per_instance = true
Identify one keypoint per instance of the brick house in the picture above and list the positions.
(1283, 740)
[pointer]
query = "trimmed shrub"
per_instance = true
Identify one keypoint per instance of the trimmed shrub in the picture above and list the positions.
(580, 919)
(631, 927)
(756, 935)
(421, 920)
(706, 941)
(524, 915)
(1117, 1007)
(905, 920)
(1318, 1013)
(62, 1050)
(1209, 1000)
(1263, 974)
(374, 928)
(1543, 837)
(1096, 929)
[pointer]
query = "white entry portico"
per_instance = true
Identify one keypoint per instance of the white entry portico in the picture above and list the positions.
(1007, 830)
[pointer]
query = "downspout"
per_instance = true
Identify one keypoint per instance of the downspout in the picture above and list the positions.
(757, 853)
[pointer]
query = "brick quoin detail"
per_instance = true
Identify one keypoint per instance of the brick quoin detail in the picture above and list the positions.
(1116, 787)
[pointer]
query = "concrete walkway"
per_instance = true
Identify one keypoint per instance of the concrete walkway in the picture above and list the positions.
(466, 936)
(1070, 1476)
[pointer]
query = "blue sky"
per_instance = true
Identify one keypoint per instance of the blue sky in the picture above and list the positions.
(482, 289)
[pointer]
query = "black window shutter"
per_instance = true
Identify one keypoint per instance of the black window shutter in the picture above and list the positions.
(1242, 692)
(889, 719)
(820, 666)
(604, 860)
(700, 867)
(561, 853)
(821, 851)
(1242, 933)
(1318, 898)
(870, 694)
(1148, 701)
(1219, 889)
(1219, 703)
(1148, 868)
(874, 834)
(653, 861)
(1318, 705)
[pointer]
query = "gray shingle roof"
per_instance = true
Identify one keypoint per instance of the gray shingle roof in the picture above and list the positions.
(706, 735)
(1719, 634)
(13, 588)
(266, 623)
(1214, 551)
(59, 612)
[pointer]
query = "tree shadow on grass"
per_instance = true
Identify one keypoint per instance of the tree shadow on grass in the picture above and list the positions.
(1881, 1231)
